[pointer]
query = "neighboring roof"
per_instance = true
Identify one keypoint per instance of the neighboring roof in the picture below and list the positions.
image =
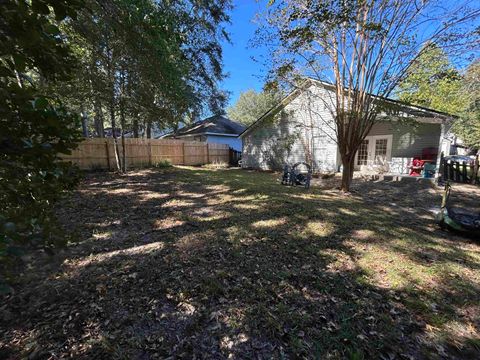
(107, 132)
(414, 110)
(216, 124)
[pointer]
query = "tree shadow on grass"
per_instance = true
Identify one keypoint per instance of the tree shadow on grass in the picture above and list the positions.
(211, 264)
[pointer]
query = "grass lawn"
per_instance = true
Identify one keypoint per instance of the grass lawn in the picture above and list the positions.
(195, 263)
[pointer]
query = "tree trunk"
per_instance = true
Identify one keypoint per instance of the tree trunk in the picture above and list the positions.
(149, 129)
(135, 127)
(98, 119)
(347, 174)
(84, 123)
(124, 153)
(114, 135)
(111, 77)
(476, 166)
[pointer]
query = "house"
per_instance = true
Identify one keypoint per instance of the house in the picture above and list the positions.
(215, 129)
(108, 133)
(302, 128)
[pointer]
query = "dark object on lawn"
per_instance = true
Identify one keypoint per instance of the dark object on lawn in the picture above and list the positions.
(456, 219)
(293, 175)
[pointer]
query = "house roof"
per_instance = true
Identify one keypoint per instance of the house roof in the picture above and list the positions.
(216, 124)
(414, 110)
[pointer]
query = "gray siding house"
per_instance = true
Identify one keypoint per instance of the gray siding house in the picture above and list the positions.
(301, 128)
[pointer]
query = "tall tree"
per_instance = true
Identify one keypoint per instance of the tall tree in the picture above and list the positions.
(467, 127)
(148, 63)
(363, 47)
(432, 81)
(251, 105)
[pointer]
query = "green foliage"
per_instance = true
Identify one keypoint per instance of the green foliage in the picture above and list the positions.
(467, 127)
(432, 81)
(162, 164)
(251, 105)
(34, 128)
(145, 62)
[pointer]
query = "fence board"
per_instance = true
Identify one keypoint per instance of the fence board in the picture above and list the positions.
(100, 153)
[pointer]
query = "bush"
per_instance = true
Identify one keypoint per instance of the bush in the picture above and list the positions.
(34, 128)
(32, 177)
(163, 164)
(216, 165)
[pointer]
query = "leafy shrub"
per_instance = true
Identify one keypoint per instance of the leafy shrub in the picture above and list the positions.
(32, 177)
(163, 164)
(34, 129)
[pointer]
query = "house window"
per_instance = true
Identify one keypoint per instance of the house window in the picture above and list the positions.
(381, 148)
(363, 153)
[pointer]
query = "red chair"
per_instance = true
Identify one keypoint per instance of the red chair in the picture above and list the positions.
(416, 167)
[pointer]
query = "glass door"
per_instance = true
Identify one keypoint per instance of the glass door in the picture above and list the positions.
(374, 151)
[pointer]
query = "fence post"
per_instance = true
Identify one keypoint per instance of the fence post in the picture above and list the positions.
(149, 153)
(439, 169)
(208, 154)
(108, 154)
(183, 153)
(475, 170)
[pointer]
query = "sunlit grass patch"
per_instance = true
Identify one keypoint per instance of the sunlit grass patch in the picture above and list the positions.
(392, 269)
(174, 203)
(102, 235)
(220, 199)
(151, 195)
(189, 245)
(207, 214)
(346, 211)
(120, 191)
(270, 223)
(247, 206)
(167, 223)
(189, 194)
(134, 250)
(340, 261)
(319, 228)
(363, 234)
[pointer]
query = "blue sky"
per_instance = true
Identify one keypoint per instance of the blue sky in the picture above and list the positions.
(244, 73)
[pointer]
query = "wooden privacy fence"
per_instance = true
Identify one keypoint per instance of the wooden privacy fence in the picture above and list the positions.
(100, 153)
